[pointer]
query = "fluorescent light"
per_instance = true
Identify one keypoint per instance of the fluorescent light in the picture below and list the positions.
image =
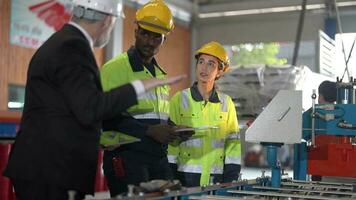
(269, 10)
(347, 3)
(12, 104)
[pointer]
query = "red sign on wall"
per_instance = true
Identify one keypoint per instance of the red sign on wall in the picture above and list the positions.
(33, 21)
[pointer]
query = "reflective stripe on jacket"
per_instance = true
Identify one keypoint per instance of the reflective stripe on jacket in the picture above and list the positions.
(208, 150)
(154, 104)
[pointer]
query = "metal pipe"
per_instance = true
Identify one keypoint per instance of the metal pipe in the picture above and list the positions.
(313, 118)
(299, 32)
(342, 41)
(276, 169)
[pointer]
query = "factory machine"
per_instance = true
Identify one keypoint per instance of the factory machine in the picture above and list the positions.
(258, 188)
(282, 122)
(329, 131)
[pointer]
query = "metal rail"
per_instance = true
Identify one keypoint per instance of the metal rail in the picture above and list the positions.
(315, 186)
(275, 194)
(306, 191)
(321, 183)
(216, 197)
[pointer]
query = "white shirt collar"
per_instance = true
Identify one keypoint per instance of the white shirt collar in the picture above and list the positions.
(85, 33)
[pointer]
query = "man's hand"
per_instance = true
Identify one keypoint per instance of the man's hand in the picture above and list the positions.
(184, 135)
(162, 133)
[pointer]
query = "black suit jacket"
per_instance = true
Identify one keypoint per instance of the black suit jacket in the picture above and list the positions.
(59, 133)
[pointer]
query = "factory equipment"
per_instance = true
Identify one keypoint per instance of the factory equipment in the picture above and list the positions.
(258, 188)
(279, 124)
(329, 131)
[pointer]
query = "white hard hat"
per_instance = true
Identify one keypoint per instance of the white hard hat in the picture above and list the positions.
(112, 7)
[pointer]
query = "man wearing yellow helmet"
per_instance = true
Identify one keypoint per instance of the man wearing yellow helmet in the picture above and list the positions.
(147, 159)
(214, 151)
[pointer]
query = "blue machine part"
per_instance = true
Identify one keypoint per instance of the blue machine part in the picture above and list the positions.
(272, 161)
(330, 119)
(272, 149)
(7, 130)
(300, 161)
(343, 124)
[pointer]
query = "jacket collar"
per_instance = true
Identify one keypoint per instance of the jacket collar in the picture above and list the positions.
(84, 32)
(214, 98)
(136, 62)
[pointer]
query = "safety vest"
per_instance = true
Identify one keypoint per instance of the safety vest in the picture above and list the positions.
(154, 104)
(208, 150)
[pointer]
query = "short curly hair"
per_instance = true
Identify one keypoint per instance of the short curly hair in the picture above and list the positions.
(328, 90)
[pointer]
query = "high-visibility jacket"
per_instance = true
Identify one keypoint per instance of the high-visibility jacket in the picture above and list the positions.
(153, 105)
(208, 150)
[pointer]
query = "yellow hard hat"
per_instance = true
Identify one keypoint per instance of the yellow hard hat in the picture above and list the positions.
(155, 16)
(217, 50)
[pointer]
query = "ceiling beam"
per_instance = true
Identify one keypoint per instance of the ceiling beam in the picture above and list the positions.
(252, 4)
(183, 4)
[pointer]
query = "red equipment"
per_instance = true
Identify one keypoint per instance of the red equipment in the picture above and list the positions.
(332, 156)
(8, 126)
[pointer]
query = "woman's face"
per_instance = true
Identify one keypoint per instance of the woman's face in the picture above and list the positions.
(207, 68)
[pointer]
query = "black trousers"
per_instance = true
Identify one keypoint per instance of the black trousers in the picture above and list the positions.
(231, 173)
(129, 167)
(32, 190)
(193, 179)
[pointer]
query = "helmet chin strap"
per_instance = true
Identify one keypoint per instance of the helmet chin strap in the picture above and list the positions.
(163, 38)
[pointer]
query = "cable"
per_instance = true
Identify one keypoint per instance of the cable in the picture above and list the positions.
(342, 41)
(350, 53)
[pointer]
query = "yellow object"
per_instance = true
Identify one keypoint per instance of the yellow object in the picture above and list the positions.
(208, 150)
(217, 50)
(155, 16)
(154, 104)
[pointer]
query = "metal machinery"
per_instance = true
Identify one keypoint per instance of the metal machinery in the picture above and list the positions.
(331, 130)
(258, 188)
(280, 123)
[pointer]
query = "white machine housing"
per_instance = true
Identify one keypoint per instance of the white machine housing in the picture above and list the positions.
(280, 121)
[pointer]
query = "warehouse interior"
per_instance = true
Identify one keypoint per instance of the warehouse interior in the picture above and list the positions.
(280, 52)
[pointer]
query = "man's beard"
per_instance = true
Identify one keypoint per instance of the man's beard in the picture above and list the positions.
(103, 39)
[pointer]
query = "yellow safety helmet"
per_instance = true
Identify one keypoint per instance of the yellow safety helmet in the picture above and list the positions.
(217, 50)
(155, 16)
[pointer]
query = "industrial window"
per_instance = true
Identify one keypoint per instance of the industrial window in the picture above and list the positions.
(273, 53)
(16, 97)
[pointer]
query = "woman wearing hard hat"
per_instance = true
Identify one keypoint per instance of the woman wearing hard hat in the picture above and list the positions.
(213, 153)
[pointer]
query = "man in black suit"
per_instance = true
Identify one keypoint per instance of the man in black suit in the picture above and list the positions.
(56, 148)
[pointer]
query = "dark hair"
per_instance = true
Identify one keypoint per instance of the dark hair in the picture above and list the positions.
(328, 90)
